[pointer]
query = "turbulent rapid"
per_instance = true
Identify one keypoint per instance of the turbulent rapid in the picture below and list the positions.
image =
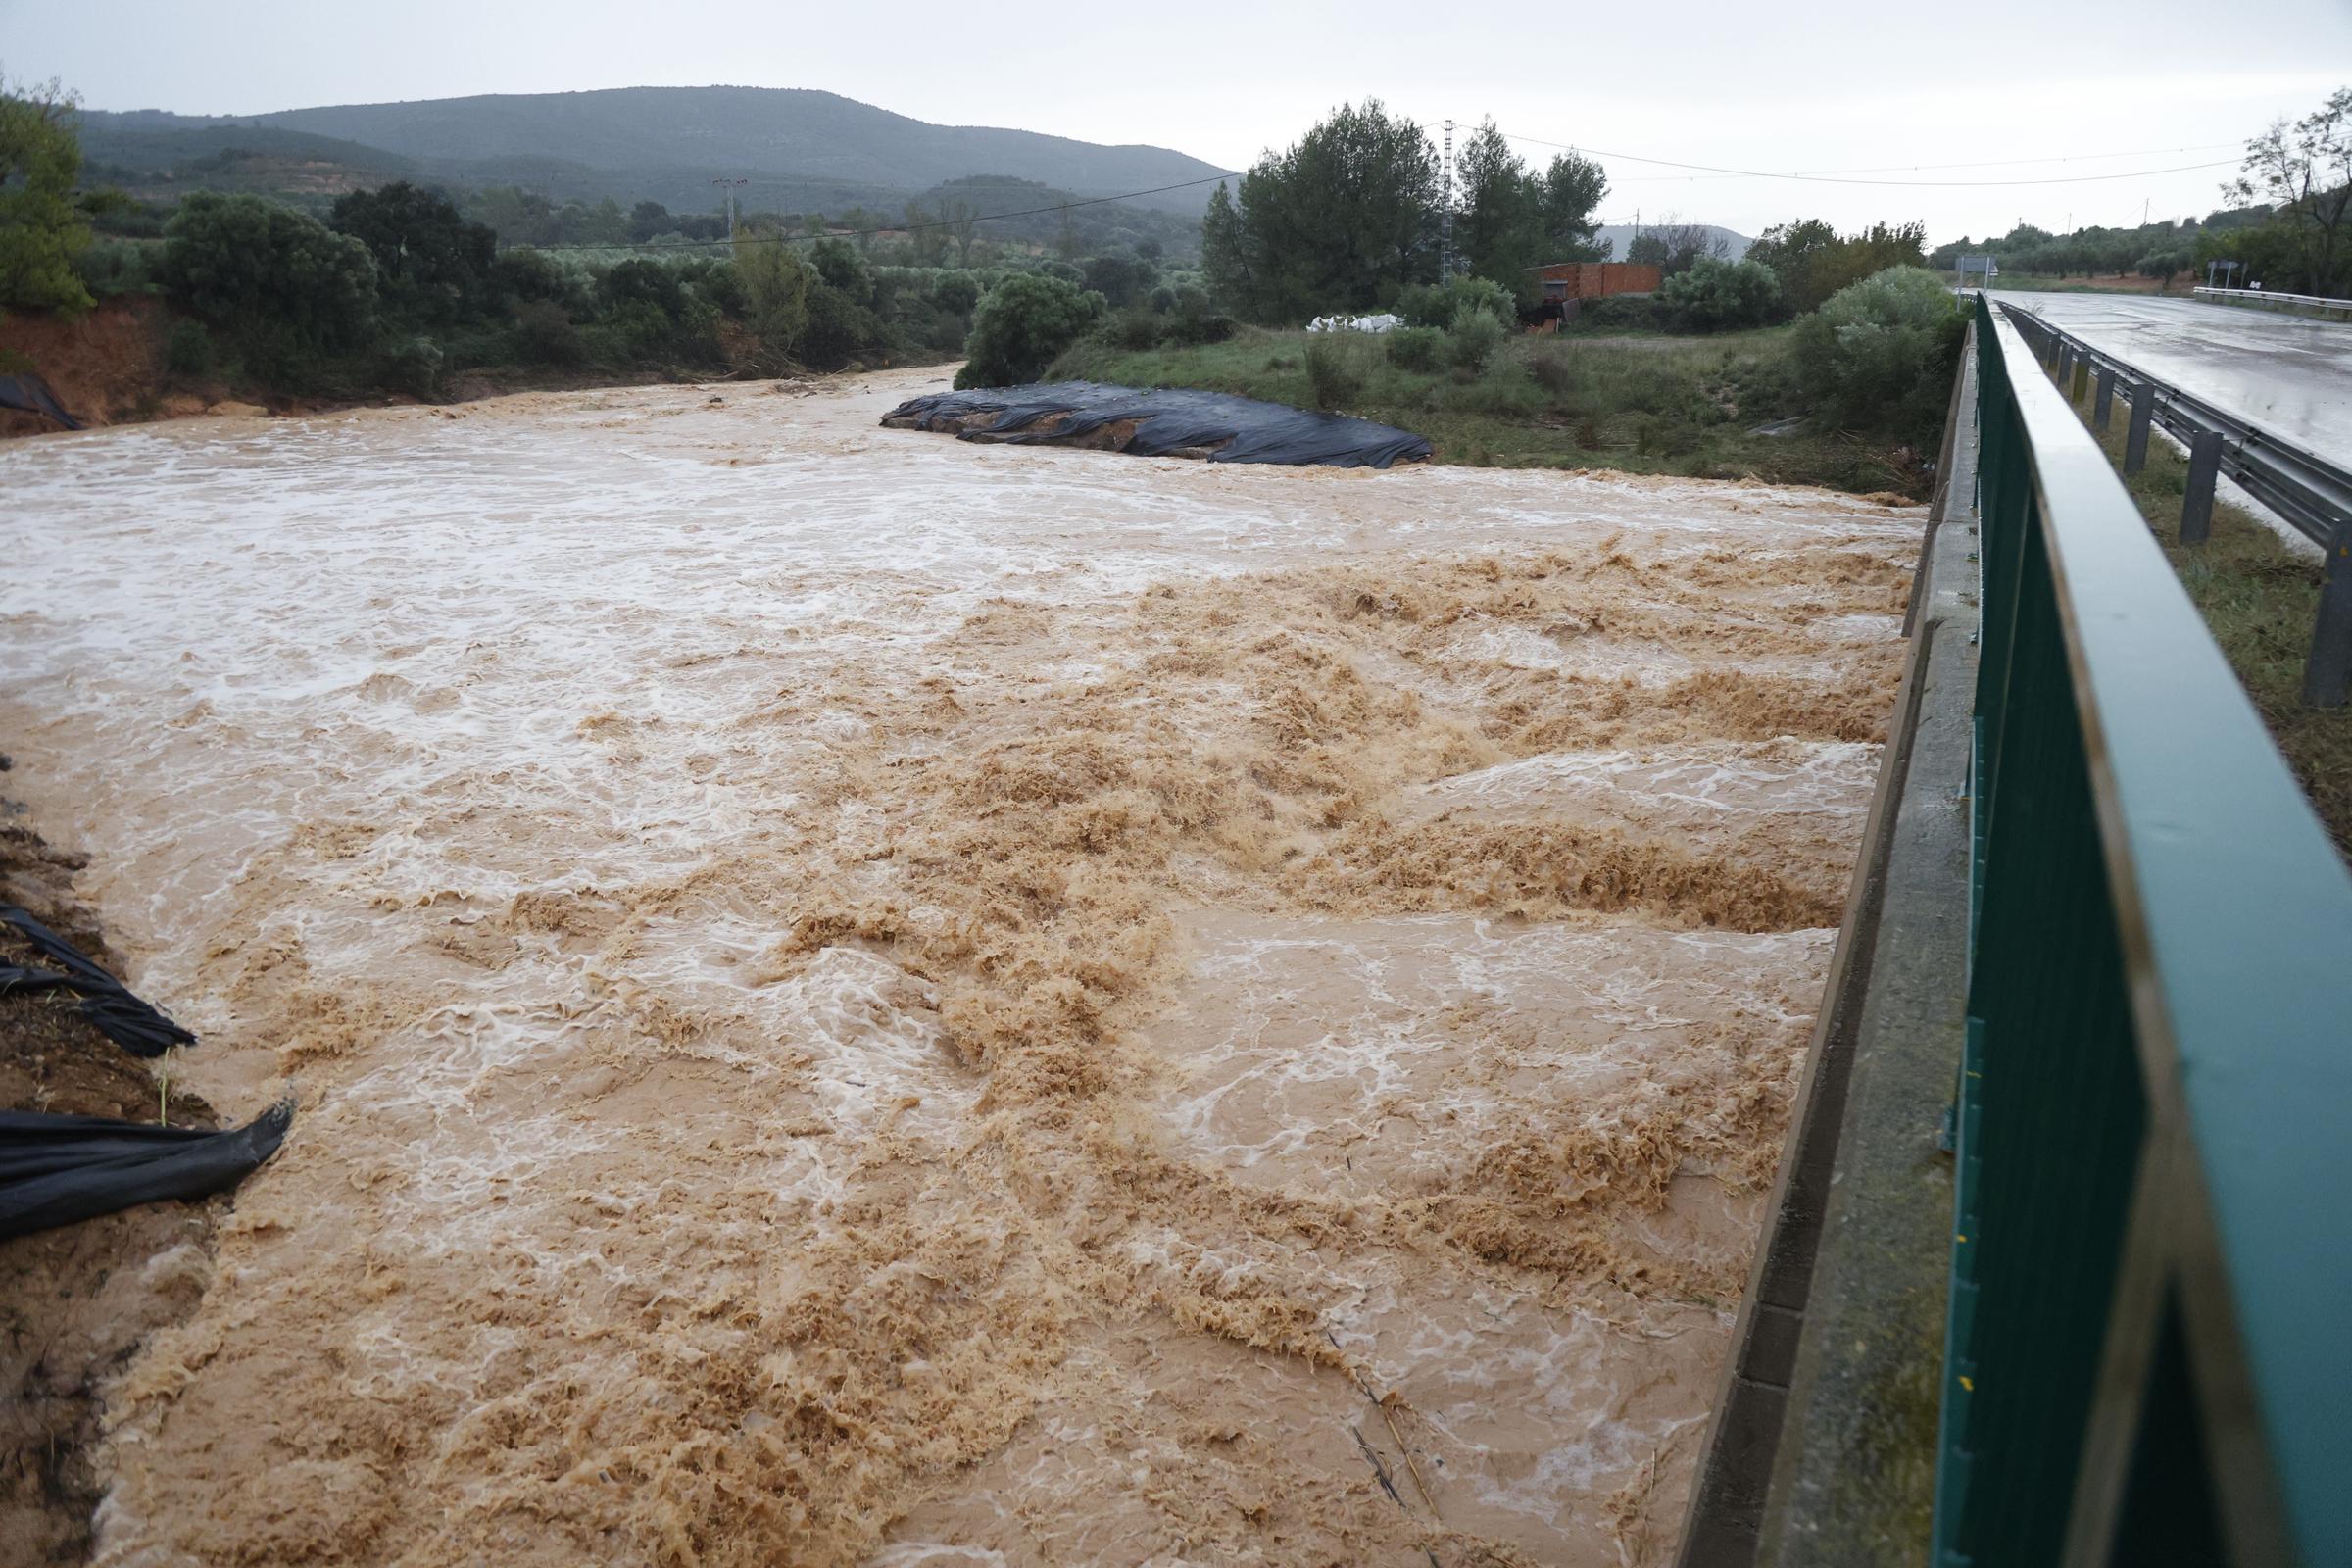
(858, 999)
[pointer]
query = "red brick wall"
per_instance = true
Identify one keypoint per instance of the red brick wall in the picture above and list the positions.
(1590, 281)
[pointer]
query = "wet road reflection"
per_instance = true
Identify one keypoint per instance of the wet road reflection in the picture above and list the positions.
(2287, 374)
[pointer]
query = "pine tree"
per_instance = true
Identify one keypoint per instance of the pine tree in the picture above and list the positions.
(42, 229)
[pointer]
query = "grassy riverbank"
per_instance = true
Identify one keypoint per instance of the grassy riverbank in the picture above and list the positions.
(1669, 405)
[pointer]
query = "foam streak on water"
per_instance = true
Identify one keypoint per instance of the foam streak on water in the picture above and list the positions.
(859, 998)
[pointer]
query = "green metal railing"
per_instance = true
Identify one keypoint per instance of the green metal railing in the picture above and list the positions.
(2149, 1353)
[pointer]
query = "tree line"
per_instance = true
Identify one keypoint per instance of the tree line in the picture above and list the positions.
(403, 289)
(1349, 217)
(2290, 230)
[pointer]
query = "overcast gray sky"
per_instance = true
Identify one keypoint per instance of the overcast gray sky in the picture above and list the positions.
(2119, 87)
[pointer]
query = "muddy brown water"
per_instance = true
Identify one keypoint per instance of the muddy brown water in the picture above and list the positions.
(859, 998)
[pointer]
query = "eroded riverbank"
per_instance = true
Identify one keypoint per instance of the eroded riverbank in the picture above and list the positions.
(860, 998)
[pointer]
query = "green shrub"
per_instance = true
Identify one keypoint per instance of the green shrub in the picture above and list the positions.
(431, 263)
(1552, 367)
(1122, 279)
(634, 330)
(1624, 313)
(284, 285)
(775, 281)
(923, 323)
(1195, 323)
(412, 366)
(544, 334)
(112, 266)
(719, 285)
(642, 282)
(1501, 391)
(526, 274)
(1332, 372)
(188, 348)
(42, 227)
(1437, 304)
(1135, 328)
(840, 330)
(1813, 263)
(1715, 295)
(480, 346)
(1416, 347)
(1022, 324)
(1475, 337)
(955, 293)
(1879, 354)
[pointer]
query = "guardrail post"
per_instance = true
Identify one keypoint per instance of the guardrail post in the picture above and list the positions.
(2135, 435)
(2103, 410)
(2066, 361)
(2197, 507)
(2081, 381)
(2327, 676)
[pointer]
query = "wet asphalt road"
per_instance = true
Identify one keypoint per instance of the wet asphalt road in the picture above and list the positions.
(2287, 374)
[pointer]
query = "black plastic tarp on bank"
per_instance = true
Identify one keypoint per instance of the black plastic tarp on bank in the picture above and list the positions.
(55, 1170)
(31, 394)
(136, 1026)
(1217, 425)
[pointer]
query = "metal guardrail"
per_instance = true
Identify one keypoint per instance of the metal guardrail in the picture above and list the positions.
(2147, 1357)
(2264, 296)
(2313, 494)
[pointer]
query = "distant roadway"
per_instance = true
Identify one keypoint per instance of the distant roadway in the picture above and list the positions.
(2289, 375)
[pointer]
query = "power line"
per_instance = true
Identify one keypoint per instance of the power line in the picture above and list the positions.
(1830, 179)
(2010, 162)
(1873, 169)
(1820, 177)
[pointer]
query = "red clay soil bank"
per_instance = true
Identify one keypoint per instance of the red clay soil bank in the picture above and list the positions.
(106, 366)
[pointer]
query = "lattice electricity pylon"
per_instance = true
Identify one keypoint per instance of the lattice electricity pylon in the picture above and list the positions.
(1445, 212)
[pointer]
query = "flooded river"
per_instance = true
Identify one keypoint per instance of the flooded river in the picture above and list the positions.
(859, 998)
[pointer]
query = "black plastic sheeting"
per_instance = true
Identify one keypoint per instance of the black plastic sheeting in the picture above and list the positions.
(1173, 420)
(56, 1170)
(32, 395)
(106, 1002)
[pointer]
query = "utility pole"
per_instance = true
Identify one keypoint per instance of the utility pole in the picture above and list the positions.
(1445, 212)
(730, 185)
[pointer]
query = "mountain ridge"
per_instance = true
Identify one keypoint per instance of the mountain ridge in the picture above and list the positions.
(789, 136)
(1620, 235)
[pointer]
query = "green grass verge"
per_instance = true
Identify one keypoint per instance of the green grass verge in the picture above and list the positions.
(1646, 403)
(2259, 596)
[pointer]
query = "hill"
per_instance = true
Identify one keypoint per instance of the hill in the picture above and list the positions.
(153, 157)
(799, 149)
(1620, 235)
